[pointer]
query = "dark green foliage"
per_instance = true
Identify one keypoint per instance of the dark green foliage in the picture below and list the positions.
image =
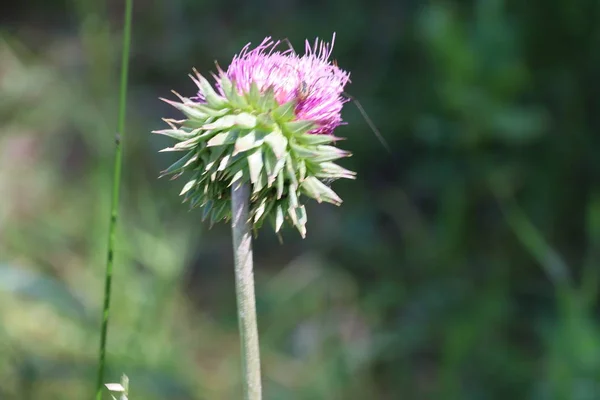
(463, 266)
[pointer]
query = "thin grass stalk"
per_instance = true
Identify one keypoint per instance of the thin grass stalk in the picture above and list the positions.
(244, 286)
(115, 196)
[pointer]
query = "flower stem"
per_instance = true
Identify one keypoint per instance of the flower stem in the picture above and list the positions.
(115, 195)
(244, 287)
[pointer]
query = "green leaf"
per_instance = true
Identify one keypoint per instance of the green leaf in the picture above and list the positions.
(280, 185)
(269, 161)
(301, 220)
(278, 143)
(188, 186)
(196, 200)
(278, 218)
(316, 189)
(193, 142)
(301, 170)
(204, 157)
(220, 212)
(266, 122)
(226, 83)
(291, 172)
(189, 109)
(181, 163)
(299, 127)
(329, 170)
(245, 120)
(253, 95)
(267, 101)
(236, 164)
(178, 134)
(329, 153)
(247, 141)
(242, 120)
(302, 217)
(266, 213)
(207, 208)
(235, 99)
(228, 137)
(309, 189)
(194, 124)
(260, 210)
(304, 152)
(216, 153)
(169, 149)
(315, 139)
(211, 112)
(293, 196)
(212, 98)
(236, 177)
(298, 217)
(279, 166)
(285, 112)
(225, 161)
(255, 165)
(293, 216)
(225, 122)
(261, 182)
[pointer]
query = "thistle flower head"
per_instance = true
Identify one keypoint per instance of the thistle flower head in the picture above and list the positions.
(269, 122)
(312, 80)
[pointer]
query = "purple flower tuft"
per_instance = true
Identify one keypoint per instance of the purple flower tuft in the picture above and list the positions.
(312, 80)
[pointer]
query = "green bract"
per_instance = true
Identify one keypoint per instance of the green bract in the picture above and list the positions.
(251, 138)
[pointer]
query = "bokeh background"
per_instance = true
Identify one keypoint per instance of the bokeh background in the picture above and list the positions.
(463, 265)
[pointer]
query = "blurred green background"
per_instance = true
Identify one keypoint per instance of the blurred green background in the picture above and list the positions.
(462, 266)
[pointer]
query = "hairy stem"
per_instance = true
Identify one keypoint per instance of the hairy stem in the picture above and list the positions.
(115, 196)
(244, 286)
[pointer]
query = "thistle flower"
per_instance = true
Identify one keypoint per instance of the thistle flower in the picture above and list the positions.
(268, 121)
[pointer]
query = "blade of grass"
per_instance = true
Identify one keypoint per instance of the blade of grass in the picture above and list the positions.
(533, 241)
(115, 195)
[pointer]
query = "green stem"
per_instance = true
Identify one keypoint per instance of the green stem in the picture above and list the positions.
(244, 288)
(115, 195)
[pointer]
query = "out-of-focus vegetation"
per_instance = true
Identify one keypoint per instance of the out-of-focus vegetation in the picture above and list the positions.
(463, 266)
